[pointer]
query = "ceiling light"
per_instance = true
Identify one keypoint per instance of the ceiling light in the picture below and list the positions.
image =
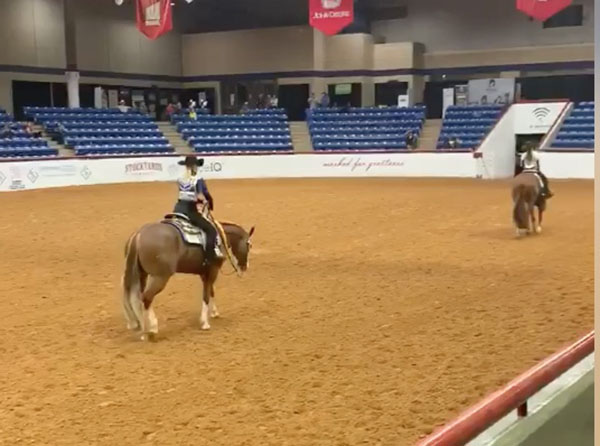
(118, 2)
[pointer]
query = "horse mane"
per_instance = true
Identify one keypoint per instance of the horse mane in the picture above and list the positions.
(236, 228)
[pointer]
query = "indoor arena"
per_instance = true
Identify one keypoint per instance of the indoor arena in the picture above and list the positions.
(388, 299)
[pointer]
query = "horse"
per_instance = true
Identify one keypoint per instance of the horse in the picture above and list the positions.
(157, 251)
(526, 196)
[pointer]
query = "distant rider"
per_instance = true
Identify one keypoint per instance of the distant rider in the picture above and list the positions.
(530, 162)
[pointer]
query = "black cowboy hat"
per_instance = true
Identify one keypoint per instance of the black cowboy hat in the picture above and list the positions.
(191, 160)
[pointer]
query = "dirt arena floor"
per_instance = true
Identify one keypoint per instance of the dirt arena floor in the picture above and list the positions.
(374, 310)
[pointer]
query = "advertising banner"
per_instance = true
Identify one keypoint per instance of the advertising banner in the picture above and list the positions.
(491, 91)
(330, 16)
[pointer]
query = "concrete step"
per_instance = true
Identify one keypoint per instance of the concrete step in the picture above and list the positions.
(301, 136)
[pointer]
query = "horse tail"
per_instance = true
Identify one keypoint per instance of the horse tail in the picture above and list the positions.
(132, 280)
(521, 207)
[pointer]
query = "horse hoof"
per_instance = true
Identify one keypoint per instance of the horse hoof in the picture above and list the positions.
(133, 326)
(215, 315)
(205, 327)
(538, 229)
(148, 337)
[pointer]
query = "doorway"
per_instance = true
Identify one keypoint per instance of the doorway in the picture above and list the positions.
(294, 99)
(387, 93)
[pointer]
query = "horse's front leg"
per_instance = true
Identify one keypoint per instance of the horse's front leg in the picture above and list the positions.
(204, 315)
(539, 226)
(533, 225)
(214, 312)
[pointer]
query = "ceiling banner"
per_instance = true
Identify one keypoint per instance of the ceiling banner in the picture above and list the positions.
(154, 17)
(330, 16)
(542, 10)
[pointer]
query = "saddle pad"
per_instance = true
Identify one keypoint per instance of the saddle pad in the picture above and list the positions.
(189, 233)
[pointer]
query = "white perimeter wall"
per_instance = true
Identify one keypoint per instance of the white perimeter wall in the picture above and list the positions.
(73, 172)
(40, 174)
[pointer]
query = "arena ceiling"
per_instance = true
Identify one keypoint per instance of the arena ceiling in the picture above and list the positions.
(225, 15)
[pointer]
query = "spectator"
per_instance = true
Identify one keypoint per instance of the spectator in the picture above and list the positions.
(178, 107)
(192, 110)
(411, 140)
(324, 100)
(454, 142)
(6, 131)
(245, 108)
(312, 101)
(274, 101)
(29, 130)
(122, 106)
(170, 110)
(143, 108)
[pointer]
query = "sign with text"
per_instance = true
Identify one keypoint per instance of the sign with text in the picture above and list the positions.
(330, 16)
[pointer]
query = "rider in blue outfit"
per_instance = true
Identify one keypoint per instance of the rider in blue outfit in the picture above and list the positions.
(193, 192)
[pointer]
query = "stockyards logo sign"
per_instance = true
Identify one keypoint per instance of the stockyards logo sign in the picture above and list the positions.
(331, 16)
(143, 168)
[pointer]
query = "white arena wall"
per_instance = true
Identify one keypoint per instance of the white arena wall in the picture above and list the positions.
(39, 174)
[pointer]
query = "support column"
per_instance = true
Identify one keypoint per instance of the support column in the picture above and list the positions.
(72, 72)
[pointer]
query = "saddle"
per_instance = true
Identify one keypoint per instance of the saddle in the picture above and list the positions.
(190, 234)
(537, 175)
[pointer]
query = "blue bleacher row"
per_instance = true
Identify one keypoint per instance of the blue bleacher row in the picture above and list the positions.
(72, 111)
(330, 130)
(229, 124)
(115, 140)
(68, 125)
(364, 117)
(325, 111)
(577, 130)
(26, 152)
(383, 144)
(410, 123)
(118, 149)
(198, 133)
(203, 147)
(22, 142)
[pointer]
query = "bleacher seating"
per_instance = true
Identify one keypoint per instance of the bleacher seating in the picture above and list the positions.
(577, 130)
(363, 129)
(257, 131)
(91, 131)
(20, 144)
(468, 125)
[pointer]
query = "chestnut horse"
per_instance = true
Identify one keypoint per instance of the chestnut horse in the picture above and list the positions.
(526, 195)
(155, 253)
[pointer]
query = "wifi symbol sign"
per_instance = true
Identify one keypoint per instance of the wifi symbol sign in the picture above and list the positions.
(541, 112)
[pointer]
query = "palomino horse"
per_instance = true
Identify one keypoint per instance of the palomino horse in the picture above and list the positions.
(526, 195)
(155, 253)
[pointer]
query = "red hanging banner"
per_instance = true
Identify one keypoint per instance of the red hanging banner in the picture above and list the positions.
(154, 17)
(542, 10)
(330, 16)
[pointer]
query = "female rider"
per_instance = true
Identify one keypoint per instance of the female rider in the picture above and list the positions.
(193, 192)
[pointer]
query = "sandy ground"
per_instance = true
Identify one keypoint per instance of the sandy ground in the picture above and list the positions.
(374, 311)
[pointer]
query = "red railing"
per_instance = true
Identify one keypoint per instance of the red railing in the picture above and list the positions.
(513, 396)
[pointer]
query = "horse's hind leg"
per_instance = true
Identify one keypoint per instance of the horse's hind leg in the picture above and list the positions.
(154, 285)
(539, 226)
(130, 314)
